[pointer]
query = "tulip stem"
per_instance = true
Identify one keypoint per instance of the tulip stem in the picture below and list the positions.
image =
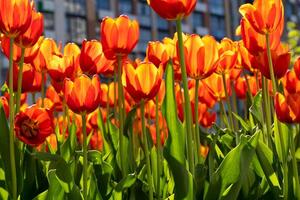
(146, 150)
(229, 107)
(274, 82)
(158, 144)
(196, 119)
(84, 150)
(224, 115)
(295, 167)
(187, 105)
(20, 76)
(121, 114)
(11, 122)
(43, 90)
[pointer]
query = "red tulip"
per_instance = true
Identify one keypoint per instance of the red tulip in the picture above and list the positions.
(287, 107)
(4, 104)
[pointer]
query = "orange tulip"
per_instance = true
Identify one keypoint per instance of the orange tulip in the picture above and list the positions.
(163, 127)
(33, 125)
(241, 87)
(281, 59)
(4, 104)
(228, 56)
(287, 107)
(33, 33)
(157, 53)
(297, 67)
(215, 86)
(48, 49)
(48, 104)
(55, 98)
(264, 16)
(108, 92)
(82, 95)
(204, 96)
(204, 151)
(96, 141)
(208, 119)
(246, 58)
(15, 17)
(172, 10)
(255, 42)
(23, 97)
(92, 58)
(119, 36)
(290, 82)
(201, 56)
(143, 82)
(30, 53)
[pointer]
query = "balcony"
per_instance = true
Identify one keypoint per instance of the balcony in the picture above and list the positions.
(201, 30)
(201, 7)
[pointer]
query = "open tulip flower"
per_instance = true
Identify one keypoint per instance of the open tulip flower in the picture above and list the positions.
(287, 107)
(33, 125)
(264, 16)
(82, 95)
(157, 53)
(119, 36)
(142, 82)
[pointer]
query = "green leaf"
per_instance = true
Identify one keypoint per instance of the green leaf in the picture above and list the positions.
(243, 123)
(129, 120)
(126, 182)
(256, 109)
(232, 172)
(114, 134)
(174, 150)
(46, 156)
(283, 129)
(69, 146)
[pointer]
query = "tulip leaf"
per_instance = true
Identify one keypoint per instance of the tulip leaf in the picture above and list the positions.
(232, 172)
(174, 150)
(256, 109)
(243, 123)
(129, 120)
(126, 182)
(284, 130)
(114, 134)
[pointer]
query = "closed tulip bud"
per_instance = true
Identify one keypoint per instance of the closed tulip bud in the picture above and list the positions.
(92, 58)
(172, 10)
(287, 107)
(33, 125)
(15, 17)
(119, 36)
(201, 56)
(228, 56)
(4, 105)
(82, 95)
(33, 33)
(264, 16)
(142, 82)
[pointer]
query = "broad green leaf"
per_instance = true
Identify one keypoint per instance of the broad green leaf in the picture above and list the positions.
(114, 134)
(174, 150)
(230, 175)
(42, 196)
(129, 120)
(243, 123)
(256, 109)
(281, 132)
(126, 182)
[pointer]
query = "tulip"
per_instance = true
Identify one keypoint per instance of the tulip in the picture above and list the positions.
(142, 82)
(264, 16)
(287, 107)
(246, 58)
(33, 33)
(15, 17)
(157, 53)
(4, 105)
(33, 125)
(119, 36)
(54, 97)
(255, 42)
(82, 95)
(92, 58)
(201, 56)
(172, 10)
(29, 55)
(297, 67)
(241, 86)
(228, 56)
(280, 58)
(290, 82)
(107, 98)
(215, 86)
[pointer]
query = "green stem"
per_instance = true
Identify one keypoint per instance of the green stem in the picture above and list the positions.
(43, 89)
(229, 106)
(198, 143)
(121, 115)
(84, 150)
(188, 115)
(267, 110)
(158, 144)
(146, 149)
(224, 115)
(11, 122)
(20, 76)
(295, 166)
(248, 88)
(274, 82)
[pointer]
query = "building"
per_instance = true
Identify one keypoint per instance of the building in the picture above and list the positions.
(75, 20)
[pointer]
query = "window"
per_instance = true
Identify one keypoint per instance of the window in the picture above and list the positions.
(198, 19)
(77, 7)
(125, 6)
(48, 21)
(76, 29)
(144, 9)
(217, 24)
